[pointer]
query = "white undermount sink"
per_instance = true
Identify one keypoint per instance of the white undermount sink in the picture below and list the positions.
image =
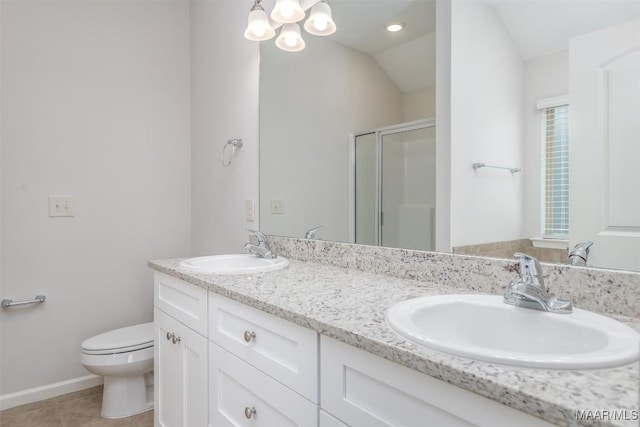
(483, 327)
(233, 264)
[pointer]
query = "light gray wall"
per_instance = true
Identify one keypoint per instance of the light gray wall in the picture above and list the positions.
(224, 85)
(95, 104)
(310, 102)
(419, 104)
(486, 127)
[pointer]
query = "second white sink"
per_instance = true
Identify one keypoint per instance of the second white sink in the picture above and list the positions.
(233, 264)
(482, 327)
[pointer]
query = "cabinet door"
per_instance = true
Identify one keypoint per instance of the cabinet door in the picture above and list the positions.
(327, 420)
(241, 395)
(180, 374)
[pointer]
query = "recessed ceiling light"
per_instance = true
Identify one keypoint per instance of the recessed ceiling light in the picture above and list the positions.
(395, 26)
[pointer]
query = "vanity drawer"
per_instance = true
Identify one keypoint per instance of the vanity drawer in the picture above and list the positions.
(183, 301)
(275, 346)
(236, 389)
(362, 389)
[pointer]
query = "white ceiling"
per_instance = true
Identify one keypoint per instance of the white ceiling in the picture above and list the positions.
(537, 27)
(541, 27)
(411, 65)
(408, 56)
(362, 23)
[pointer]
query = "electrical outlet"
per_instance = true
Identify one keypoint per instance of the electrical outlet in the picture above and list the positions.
(62, 206)
(250, 207)
(277, 206)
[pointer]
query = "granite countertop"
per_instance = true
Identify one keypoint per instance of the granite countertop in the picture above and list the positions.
(350, 305)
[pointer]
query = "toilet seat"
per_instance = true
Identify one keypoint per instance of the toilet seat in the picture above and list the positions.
(123, 340)
(125, 358)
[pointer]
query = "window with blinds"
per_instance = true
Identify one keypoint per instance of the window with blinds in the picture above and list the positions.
(555, 191)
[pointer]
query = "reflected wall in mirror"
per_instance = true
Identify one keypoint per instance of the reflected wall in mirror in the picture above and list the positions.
(501, 65)
(358, 80)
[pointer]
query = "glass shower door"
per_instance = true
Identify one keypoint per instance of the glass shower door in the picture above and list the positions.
(408, 188)
(366, 189)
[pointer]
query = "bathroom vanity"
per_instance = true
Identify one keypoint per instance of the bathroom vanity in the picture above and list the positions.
(308, 345)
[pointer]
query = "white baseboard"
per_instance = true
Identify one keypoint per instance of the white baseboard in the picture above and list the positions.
(48, 391)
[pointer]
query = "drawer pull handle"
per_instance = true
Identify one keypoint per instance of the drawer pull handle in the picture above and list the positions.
(249, 412)
(172, 337)
(248, 336)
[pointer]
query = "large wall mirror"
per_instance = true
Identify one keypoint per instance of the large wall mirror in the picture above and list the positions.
(348, 129)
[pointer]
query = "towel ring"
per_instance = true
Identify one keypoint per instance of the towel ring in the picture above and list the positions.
(234, 143)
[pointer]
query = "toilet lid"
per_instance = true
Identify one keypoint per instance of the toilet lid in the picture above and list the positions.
(119, 340)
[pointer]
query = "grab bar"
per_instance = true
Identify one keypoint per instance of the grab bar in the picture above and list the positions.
(10, 303)
(482, 165)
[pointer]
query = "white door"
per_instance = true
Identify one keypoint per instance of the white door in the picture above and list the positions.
(605, 145)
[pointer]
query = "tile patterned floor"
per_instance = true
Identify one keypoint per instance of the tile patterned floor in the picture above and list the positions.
(80, 409)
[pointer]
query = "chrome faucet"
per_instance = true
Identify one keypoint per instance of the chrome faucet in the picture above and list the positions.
(261, 249)
(529, 290)
(311, 234)
(579, 254)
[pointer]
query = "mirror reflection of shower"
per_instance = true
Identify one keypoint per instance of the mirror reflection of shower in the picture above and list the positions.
(394, 186)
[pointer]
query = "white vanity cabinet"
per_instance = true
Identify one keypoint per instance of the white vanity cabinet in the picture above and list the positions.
(361, 389)
(219, 362)
(263, 370)
(180, 363)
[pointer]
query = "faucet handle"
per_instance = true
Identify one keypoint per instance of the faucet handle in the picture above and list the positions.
(530, 269)
(311, 234)
(579, 254)
(260, 237)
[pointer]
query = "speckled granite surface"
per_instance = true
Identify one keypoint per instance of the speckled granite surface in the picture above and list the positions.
(349, 304)
(600, 290)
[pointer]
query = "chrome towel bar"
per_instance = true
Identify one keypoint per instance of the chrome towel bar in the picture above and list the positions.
(10, 303)
(482, 165)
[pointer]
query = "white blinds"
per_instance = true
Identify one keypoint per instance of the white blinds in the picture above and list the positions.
(556, 171)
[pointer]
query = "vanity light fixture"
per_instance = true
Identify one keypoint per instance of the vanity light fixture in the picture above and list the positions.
(258, 26)
(395, 27)
(320, 22)
(290, 38)
(287, 11)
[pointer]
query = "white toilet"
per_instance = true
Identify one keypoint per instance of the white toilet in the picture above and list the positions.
(125, 358)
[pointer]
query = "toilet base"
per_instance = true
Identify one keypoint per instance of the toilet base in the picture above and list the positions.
(125, 396)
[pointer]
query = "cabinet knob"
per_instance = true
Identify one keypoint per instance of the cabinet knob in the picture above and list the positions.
(249, 412)
(173, 337)
(248, 336)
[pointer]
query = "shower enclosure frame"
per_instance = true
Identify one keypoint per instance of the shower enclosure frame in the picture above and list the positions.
(380, 133)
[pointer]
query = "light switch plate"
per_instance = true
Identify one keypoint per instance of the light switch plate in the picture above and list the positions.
(62, 206)
(250, 210)
(277, 206)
